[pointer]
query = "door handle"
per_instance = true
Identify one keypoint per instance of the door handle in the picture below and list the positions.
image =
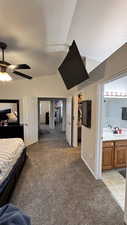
(26, 124)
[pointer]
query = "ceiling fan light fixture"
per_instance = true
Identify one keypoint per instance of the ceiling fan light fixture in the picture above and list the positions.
(6, 68)
(5, 76)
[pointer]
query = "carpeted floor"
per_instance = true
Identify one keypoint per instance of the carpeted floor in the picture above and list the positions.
(46, 133)
(56, 188)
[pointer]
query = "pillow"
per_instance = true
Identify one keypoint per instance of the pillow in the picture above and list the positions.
(11, 117)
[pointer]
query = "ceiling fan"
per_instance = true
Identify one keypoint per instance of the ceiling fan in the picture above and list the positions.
(6, 67)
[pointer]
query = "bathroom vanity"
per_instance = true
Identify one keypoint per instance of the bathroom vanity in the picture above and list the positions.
(114, 151)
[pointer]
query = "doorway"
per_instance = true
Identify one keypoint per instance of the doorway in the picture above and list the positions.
(44, 125)
(114, 133)
(51, 118)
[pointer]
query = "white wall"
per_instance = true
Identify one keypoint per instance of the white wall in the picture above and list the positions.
(113, 112)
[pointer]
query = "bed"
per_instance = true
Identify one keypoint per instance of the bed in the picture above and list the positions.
(12, 159)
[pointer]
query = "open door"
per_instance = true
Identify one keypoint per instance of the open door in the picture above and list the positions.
(30, 120)
(69, 125)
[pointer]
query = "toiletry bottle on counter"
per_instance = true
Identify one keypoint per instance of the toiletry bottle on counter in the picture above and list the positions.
(116, 130)
(120, 131)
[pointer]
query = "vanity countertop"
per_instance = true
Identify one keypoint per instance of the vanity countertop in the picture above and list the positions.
(109, 136)
(114, 137)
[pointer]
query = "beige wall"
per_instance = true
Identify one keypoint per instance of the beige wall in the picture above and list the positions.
(45, 86)
(89, 135)
(113, 67)
(27, 91)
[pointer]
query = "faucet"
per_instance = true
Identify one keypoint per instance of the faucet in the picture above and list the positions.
(110, 126)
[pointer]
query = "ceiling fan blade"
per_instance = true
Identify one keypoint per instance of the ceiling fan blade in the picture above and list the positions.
(23, 66)
(4, 63)
(19, 66)
(22, 75)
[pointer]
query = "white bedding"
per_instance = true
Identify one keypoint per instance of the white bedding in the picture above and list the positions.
(10, 151)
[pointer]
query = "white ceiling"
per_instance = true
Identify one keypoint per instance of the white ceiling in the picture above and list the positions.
(31, 27)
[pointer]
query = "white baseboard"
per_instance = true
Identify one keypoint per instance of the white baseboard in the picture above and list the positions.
(89, 167)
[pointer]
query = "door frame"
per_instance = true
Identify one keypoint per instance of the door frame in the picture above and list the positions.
(71, 136)
(100, 108)
(75, 120)
(72, 119)
(45, 99)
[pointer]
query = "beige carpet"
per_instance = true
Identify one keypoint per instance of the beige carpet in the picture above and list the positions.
(56, 188)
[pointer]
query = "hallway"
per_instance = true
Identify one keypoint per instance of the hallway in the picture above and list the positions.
(56, 188)
(46, 133)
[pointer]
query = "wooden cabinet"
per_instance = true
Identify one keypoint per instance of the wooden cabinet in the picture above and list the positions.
(114, 154)
(120, 154)
(108, 155)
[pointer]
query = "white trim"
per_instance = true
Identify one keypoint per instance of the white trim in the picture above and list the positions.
(88, 167)
(75, 121)
(99, 133)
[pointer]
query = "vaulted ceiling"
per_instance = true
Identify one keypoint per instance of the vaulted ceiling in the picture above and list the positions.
(118, 85)
(37, 31)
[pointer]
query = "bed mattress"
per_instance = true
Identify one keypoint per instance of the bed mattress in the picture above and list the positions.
(10, 151)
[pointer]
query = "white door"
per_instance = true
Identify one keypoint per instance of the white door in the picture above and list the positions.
(69, 121)
(30, 120)
(75, 121)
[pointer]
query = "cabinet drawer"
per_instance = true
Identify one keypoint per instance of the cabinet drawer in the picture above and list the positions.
(121, 143)
(108, 144)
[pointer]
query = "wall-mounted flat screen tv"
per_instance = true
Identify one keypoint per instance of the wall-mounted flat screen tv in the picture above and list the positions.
(72, 69)
(86, 113)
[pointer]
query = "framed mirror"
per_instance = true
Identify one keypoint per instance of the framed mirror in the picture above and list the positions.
(9, 112)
